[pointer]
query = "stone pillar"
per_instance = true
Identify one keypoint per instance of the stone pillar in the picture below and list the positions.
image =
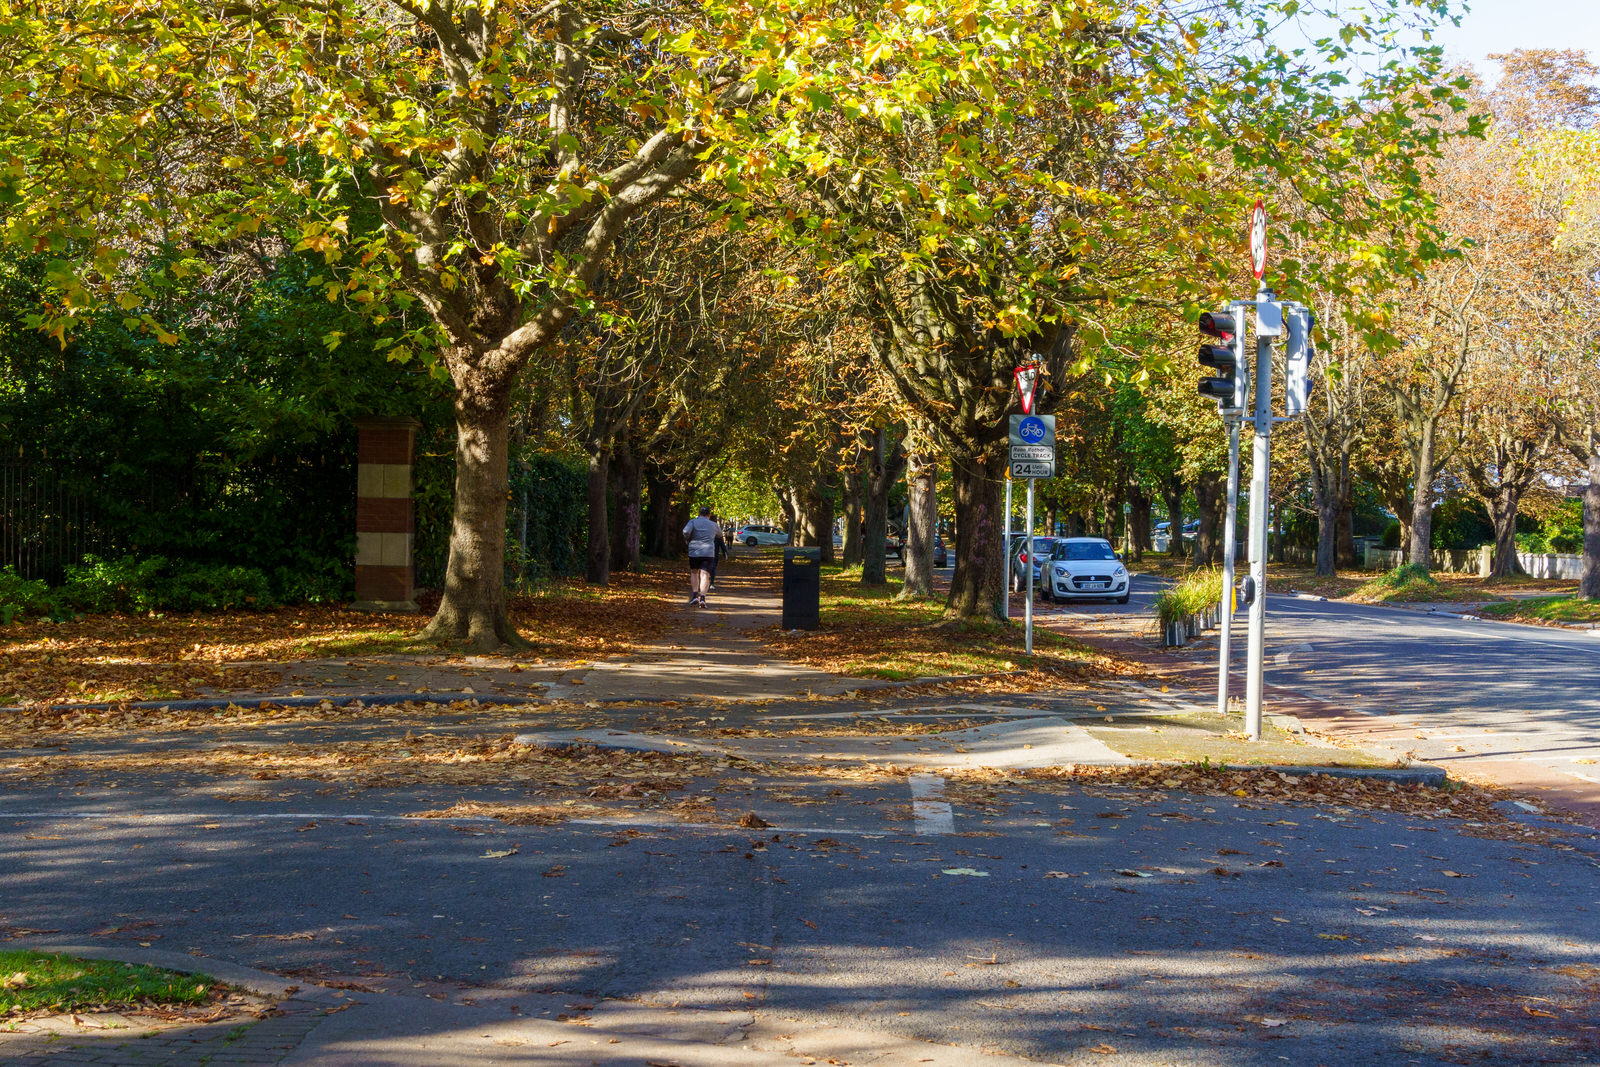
(384, 514)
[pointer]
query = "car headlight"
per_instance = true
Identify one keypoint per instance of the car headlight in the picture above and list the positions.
(1119, 573)
(1061, 572)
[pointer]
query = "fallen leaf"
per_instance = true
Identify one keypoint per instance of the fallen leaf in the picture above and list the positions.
(500, 854)
(1539, 1012)
(967, 871)
(1269, 1022)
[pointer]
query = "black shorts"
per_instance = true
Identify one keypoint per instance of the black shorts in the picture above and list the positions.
(702, 563)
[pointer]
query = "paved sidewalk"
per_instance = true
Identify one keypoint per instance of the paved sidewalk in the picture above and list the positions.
(713, 656)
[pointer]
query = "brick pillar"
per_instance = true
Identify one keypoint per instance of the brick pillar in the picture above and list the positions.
(384, 514)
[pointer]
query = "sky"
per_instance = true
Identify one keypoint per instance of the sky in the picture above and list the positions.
(1488, 26)
(1506, 25)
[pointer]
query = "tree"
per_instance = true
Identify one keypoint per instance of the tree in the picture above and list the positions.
(1033, 185)
(465, 168)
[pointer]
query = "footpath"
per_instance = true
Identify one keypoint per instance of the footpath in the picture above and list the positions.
(714, 661)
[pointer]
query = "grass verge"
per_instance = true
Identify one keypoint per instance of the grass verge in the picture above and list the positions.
(33, 982)
(1550, 610)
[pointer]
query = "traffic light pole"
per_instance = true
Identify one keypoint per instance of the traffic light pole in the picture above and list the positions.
(1230, 537)
(1259, 481)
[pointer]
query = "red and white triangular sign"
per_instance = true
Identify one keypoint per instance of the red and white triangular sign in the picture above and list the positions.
(1027, 386)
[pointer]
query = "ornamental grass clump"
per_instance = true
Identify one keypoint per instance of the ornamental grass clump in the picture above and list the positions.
(1196, 592)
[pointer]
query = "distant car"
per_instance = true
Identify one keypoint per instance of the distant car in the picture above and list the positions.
(1085, 567)
(940, 556)
(894, 544)
(761, 535)
(1021, 556)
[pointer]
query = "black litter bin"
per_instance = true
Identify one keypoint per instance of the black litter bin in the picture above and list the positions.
(802, 588)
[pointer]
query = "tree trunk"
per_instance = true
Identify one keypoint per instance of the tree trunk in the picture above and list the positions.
(1139, 500)
(1422, 503)
(1174, 499)
(473, 610)
(625, 514)
(1345, 531)
(813, 523)
(874, 540)
(1503, 513)
(1589, 577)
(922, 491)
(597, 560)
(975, 587)
(1327, 535)
(658, 514)
(882, 471)
(852, 510)
(1210, 494)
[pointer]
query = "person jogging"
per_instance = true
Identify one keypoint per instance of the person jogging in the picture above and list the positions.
(701, 533)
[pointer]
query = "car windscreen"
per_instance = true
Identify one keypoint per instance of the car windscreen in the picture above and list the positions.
(1083, 550)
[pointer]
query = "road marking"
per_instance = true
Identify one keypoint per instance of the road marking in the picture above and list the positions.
(930, 816)
(1585, 777)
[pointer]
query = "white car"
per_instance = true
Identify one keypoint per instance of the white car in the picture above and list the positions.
(760, 535)
(1081, 567)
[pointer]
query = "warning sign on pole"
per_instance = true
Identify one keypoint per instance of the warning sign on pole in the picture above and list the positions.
(1027, 385)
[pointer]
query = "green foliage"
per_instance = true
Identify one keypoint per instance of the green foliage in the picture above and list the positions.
(1391, 535)
(156, 583)
(1196, 592)
(551, 491)
(1559, 530)
(1409, 581)
(42, 981)
(20, 596)
(1461, 522)
(236, 447)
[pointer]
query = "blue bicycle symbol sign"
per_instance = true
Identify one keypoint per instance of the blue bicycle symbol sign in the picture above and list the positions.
(1032, 430)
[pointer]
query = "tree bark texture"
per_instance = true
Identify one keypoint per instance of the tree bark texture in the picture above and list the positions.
(1589, 577)
(1210, 492)
(852, 494)
(1172, 493)
(625, 508)
(924, 506)
(883, 470)
(1140, 502)
(597, 558)
(980, 528)
(473, 609)
(1422, 501)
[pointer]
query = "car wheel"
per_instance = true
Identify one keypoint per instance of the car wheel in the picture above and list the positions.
(1123, 599)
(751, 541)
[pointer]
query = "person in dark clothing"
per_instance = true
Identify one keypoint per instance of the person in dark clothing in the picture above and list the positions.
(720, 554)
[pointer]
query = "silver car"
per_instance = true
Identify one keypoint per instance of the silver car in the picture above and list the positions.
(760, 535)
(1083, 567)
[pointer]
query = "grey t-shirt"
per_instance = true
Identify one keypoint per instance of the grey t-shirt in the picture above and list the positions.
(702, 535)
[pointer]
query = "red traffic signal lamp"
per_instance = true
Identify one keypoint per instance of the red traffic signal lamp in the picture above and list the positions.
(1223, 352)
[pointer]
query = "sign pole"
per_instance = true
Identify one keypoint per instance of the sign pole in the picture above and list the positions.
(1230, 538)
(1027, 570)
(1268, 326)
(1005, 556)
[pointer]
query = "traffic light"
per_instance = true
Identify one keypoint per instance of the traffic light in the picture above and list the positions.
(1297, 353)
(1224, 353)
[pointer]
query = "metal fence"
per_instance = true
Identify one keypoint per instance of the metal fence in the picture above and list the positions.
(46, 522)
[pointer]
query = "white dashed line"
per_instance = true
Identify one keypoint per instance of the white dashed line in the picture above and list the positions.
(930, 816)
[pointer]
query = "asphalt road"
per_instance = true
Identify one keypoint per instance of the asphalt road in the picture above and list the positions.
(1069, 925)
(1500, 701)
